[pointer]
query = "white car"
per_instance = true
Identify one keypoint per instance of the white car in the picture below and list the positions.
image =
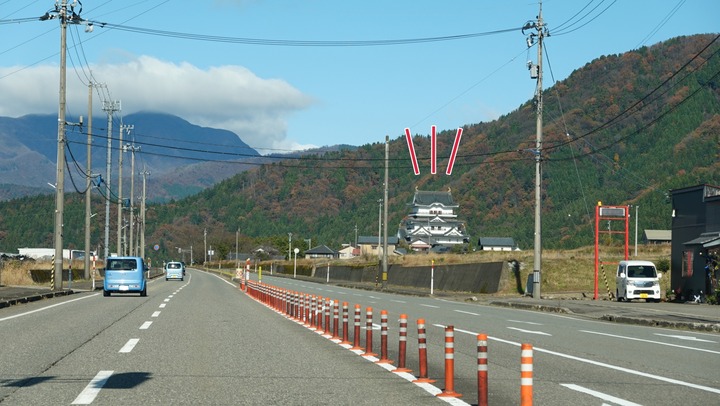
(174, 270)
(637, 280)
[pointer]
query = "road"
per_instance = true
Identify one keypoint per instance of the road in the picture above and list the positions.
(576, 360)
(202, 341)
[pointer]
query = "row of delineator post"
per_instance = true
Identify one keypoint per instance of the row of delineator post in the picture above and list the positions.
(310, 309)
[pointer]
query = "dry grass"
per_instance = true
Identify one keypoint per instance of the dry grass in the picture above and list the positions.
(18, 272)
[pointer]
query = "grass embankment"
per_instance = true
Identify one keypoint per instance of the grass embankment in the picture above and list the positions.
(18, 273)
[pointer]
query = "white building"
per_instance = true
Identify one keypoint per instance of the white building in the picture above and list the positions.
(432, 222)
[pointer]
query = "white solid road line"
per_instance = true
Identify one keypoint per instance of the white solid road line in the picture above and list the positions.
(651, 341)
(47, 307)
(600, 395)
(92, 389)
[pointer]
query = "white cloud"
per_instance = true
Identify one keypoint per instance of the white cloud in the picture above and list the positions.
(228, 97)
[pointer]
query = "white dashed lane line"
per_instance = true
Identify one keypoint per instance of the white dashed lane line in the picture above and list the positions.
(88, 394)
(129, 345)
(146, 325)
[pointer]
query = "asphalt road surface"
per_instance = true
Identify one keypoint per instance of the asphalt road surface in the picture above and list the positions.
(577, 361)
(202, 341)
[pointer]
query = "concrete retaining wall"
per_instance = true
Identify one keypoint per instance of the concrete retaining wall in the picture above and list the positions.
(476, 278)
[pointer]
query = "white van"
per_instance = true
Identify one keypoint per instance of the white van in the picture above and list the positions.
(637, 280)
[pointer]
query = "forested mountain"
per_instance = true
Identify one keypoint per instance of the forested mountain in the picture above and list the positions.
(624, 129)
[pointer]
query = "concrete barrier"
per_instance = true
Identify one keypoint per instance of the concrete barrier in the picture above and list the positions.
(476, 278)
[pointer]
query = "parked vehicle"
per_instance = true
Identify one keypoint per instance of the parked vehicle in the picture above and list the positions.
(637, 280)
(125, 275)
(174, 270)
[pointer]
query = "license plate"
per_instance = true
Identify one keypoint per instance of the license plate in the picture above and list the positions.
(123, 288)
(643, 296)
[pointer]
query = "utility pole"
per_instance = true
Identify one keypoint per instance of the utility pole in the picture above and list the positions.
(60, 174)
(110, 107)
(536, 73)
(145, 173)
(237, 235)
(88, 183)
(132, 149)
(379, 227)
(121, 249)
(385, 214)
(205, 247)
(61, 12)
(289, 246)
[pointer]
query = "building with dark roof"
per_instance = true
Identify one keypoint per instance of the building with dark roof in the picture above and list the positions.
(497, 244)
(695, 246)
(321, 251)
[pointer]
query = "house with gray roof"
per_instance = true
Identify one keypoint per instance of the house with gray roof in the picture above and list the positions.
(321, 251)
(497, 244)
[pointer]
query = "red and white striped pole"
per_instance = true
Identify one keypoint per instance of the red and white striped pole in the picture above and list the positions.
(336, 319)
(319, 314)
(384, 338)
(402, 346)
(312, 311)
(449, 390)
(356, 338)
(368, 332)
(345, 324)
(482, 368)
(422, 353)
(307, 309)
(327, 316)
(526, 375)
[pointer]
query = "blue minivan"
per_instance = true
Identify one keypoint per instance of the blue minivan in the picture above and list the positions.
(125, 275)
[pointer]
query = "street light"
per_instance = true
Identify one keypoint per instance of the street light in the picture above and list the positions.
(296, 250)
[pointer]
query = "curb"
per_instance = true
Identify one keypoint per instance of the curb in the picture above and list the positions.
(528, 306)
(711, 327)
(34, 298)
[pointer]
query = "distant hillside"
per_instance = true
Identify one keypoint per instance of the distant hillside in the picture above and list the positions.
(624, 129)
(168, 145)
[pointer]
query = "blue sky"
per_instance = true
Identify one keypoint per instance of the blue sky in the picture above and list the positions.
(292, 97)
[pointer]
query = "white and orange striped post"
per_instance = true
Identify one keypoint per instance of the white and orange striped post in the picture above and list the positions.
(312, 311)
(384, 338)
(526, 375)
(482, 369)
(345, 323)
(336, 319)
(402, 345)
(305, 309)
(422, 354)
(327, 316)
(356, 337)
(368, 333)
(449, 390)
(319, 314)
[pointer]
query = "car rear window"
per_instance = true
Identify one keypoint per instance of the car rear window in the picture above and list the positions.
(174, 265)
(121, 264)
